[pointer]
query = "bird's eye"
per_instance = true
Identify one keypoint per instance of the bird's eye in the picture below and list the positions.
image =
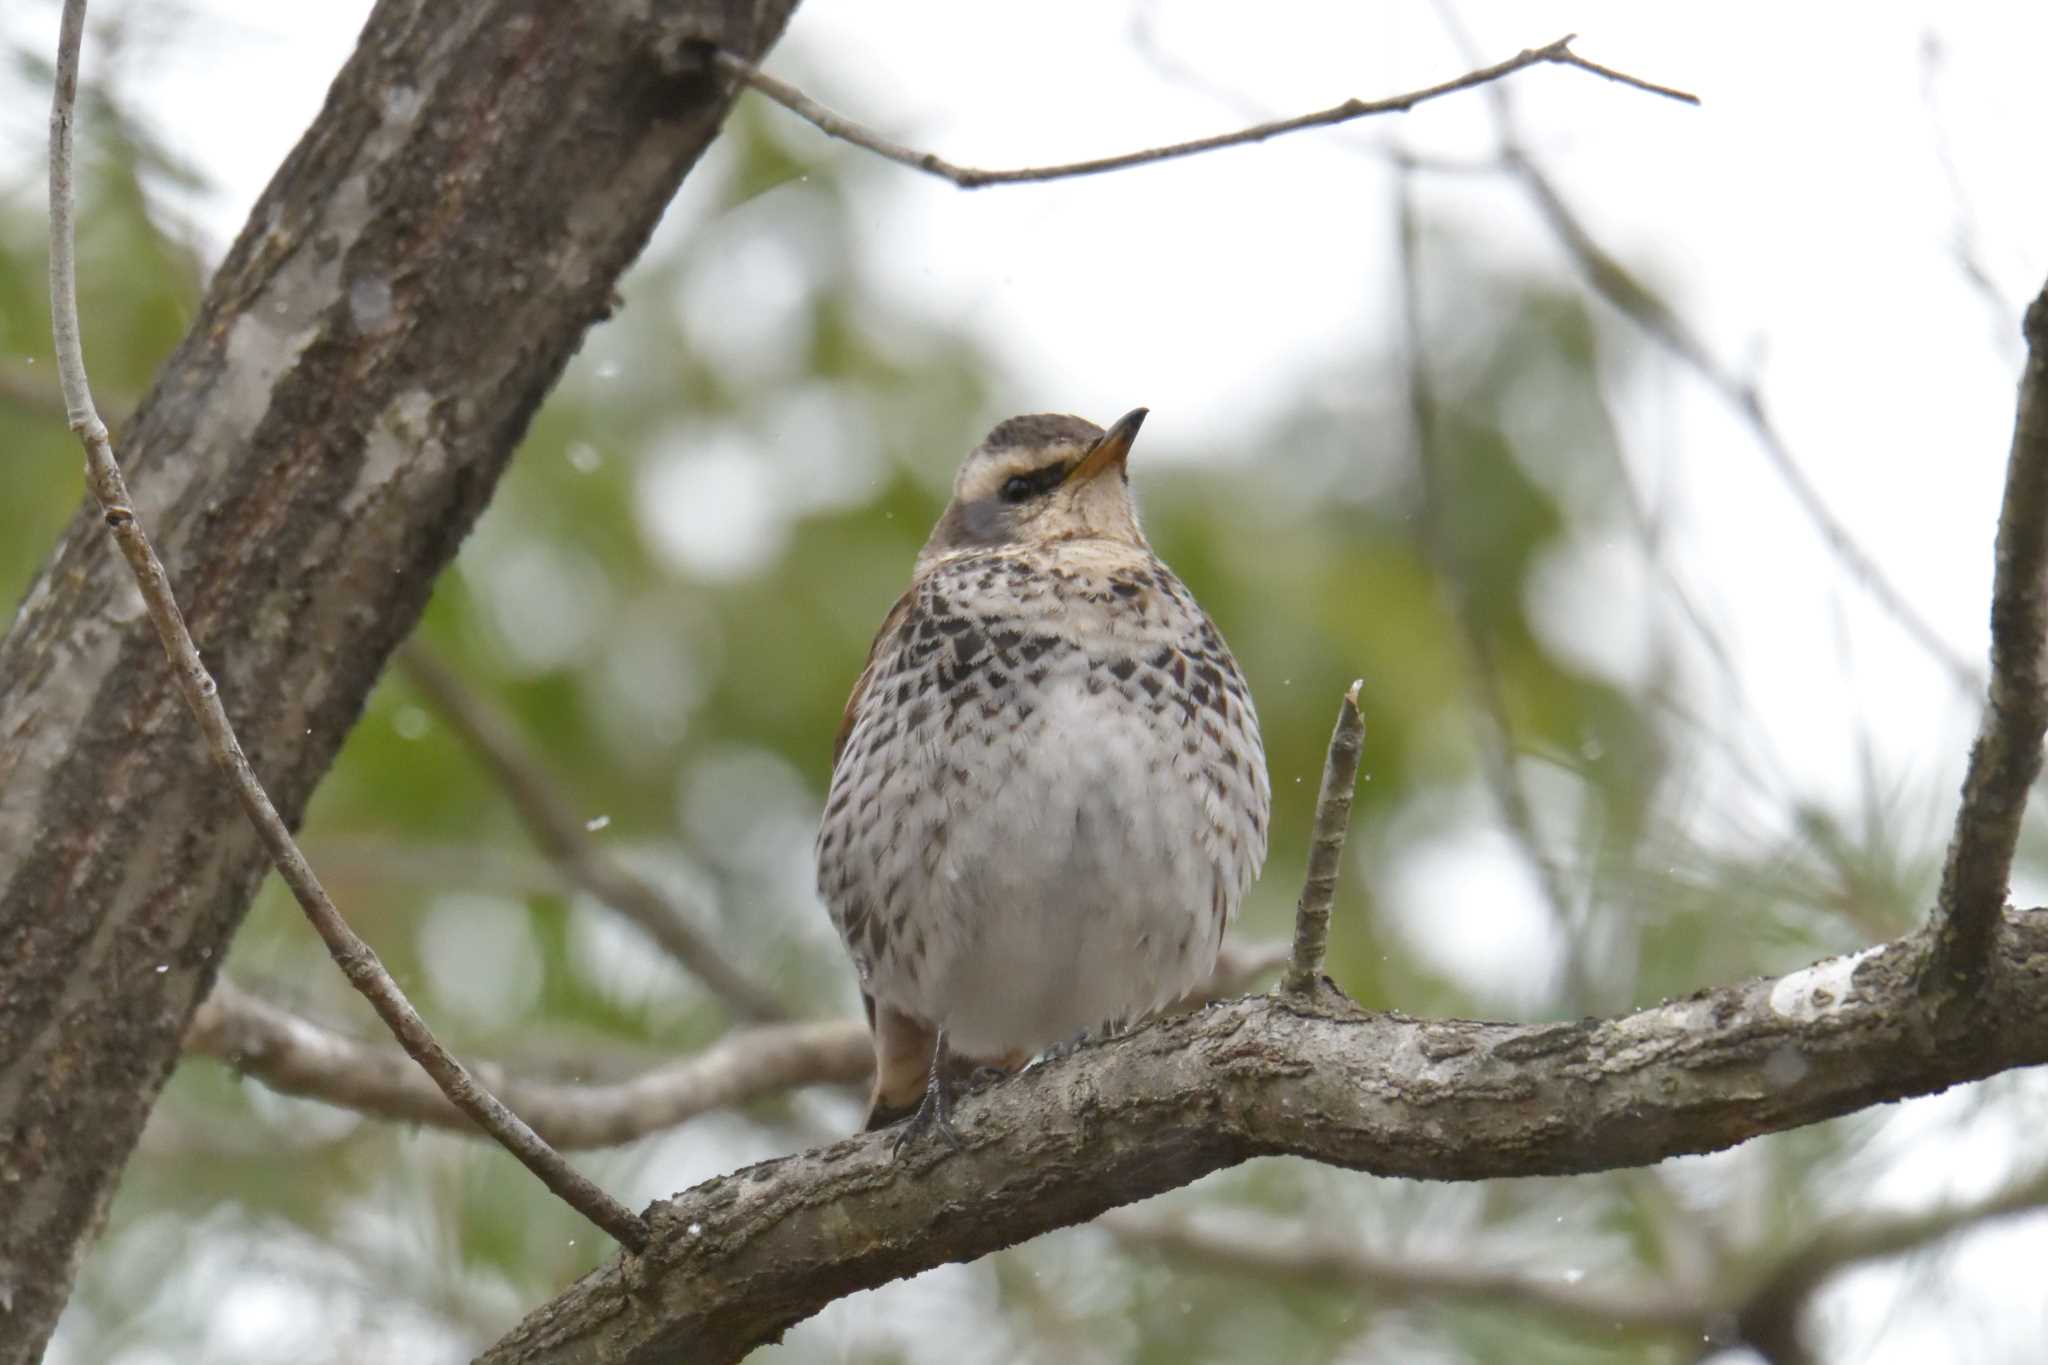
(1024, 487)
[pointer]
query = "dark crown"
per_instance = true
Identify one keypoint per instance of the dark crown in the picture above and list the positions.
(1040, 429)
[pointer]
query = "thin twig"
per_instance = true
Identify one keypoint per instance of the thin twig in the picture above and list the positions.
(837, 125)
(1326, 847)
(2006, 758)
(1495, 731)
(565, 838)
(298, 1056)
(202, 696)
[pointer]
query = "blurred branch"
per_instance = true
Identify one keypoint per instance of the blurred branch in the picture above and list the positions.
(297, 1056)
(836, 125)
(1326, 845)
(1656, 319)
(1966, 245)
(1496, 736)
(202, 697)
(1771, 1314)
(737, 1260)
(565, 838)
(1767, 1316)
(436, 866)
(24, 389)
(1977, 876)
(1296, 1253)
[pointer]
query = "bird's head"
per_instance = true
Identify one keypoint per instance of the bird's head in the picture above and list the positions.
(1041, 479)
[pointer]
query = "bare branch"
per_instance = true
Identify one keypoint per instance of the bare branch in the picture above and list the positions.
(1287, 1251)
(836, 125)
(565, 838)
(2006, 758)
(296, 1056)
(737, 1260)
(1326, 845)
(202, 697)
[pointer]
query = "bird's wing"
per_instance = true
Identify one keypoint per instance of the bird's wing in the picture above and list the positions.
(890, 624)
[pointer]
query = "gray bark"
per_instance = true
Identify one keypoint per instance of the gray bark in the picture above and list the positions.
(365, 361)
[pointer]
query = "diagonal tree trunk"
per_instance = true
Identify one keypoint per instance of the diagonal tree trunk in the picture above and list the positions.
(368, 356)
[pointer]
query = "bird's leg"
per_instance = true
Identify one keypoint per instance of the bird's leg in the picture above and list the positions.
(937, 1109)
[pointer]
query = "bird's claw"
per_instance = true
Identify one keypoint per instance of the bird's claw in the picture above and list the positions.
(935, 1111)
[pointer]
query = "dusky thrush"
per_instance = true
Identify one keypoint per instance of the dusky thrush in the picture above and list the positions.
(1048, 792)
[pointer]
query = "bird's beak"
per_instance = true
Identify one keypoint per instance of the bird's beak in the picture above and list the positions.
(1110, 451)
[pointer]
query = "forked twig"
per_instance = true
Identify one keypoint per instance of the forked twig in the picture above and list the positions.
(202, 697)
(837, 125)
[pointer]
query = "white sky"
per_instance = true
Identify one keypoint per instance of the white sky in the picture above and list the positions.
(1802, 218)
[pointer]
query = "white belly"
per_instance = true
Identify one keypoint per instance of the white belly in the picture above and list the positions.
(1054, 835)
(1084, 875)
(1077, 890)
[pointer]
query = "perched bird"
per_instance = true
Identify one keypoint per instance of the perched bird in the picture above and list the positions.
(1048, 793)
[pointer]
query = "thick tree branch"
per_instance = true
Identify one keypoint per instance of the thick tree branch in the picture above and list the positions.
(365, 360)
(2006, 758)
(839, 126)
(739, 1259)
(296, 1056)
(357, 960)
(565, 839)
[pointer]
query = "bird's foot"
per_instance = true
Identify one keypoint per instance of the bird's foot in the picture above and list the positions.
(935, 1111)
